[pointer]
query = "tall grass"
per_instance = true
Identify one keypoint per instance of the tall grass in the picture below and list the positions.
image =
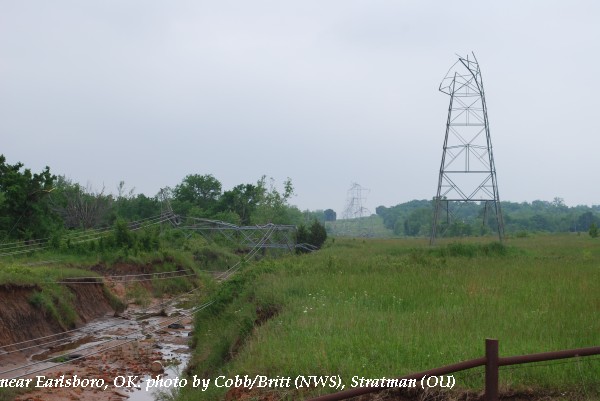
(392, 307)
(57, 301)
(45, 272)
(18, 274)
(369, 226)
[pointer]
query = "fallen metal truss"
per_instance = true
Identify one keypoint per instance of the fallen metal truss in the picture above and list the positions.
(467, 172)
(165, 208)
(267, 236)
(272, 236)
(354, 205)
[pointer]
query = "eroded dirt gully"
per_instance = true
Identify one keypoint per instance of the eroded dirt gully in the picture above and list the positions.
(21, 321)
(104, 346)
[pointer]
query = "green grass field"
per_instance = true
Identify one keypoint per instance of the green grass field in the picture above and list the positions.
(368, 227)
(390, 307)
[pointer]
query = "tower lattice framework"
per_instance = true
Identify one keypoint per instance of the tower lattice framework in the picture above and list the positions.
(354, 205)
(467, 171)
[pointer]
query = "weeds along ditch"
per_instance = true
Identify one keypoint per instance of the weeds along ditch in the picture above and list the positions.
(146, 262)
(53, 280)
(140, 281)
(376, 308)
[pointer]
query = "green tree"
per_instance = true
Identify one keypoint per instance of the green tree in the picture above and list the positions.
(539, 222)
(199, 192)
(317, 235)
(123, 237)
(25, 212)
(272, 206)
(302, 234)
(585, 221)
(137, 207)
(310, 215)
(80, 207)
(330, 215)
(242, 200)
(593, 230)
(417, 223)
(459, 229)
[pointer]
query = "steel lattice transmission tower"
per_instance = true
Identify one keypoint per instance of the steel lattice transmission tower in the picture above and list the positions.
(467, 171)
(354, 204)
(356, 211)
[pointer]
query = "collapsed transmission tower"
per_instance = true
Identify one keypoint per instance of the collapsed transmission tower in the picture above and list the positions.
(467, 171)
(272, 236)
(356, 211)
(354, 204)
(166, 211)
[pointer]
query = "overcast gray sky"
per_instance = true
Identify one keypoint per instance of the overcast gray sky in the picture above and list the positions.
(324, 92)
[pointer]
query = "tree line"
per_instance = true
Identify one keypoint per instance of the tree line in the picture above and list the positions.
(38, 205)
(414, 218)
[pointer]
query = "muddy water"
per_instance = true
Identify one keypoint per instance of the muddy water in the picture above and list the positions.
(175, 356)
(165, 383)
(172, 344)
(139, 358)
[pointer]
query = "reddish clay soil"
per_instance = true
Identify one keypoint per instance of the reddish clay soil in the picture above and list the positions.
(137, 358)
(21, 321)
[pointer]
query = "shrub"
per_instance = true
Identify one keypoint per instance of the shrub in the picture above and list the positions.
(317, 234)
(593, 230)
(123, 237)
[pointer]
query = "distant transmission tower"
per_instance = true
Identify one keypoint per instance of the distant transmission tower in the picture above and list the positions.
(355, 209)
(467, 171)
(354, 204)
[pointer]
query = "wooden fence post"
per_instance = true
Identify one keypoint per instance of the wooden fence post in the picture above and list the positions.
(491, 370)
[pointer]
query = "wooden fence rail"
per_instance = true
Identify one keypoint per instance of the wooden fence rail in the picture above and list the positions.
(492, 361)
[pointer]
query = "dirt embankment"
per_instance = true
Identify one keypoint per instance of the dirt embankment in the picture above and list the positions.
(21, 320)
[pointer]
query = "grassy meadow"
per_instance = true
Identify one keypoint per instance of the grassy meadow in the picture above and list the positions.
(388, 307)
(369, 226)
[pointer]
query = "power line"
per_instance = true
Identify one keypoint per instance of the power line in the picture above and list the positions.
(20, 247)
(127, 340)
(93, 325)
(228, 273)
